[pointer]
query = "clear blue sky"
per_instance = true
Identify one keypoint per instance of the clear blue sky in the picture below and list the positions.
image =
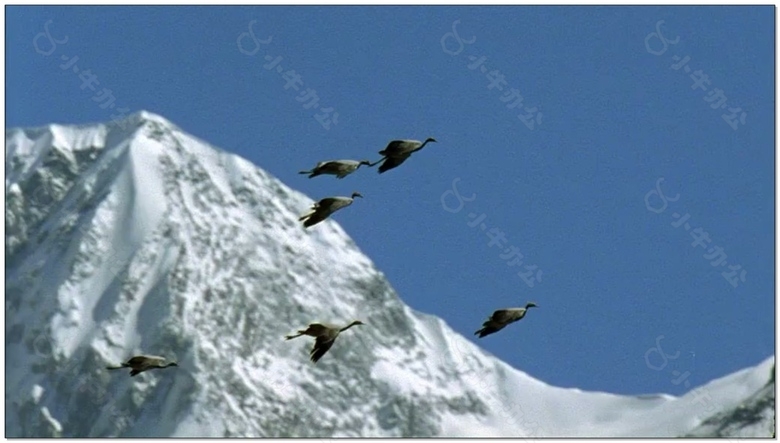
(569, 194)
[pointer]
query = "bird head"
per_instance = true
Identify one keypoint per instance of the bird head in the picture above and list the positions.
(530, 304)
(173, 363)
(431, 139)
(356, 194)
(358, 322)
(365, 162)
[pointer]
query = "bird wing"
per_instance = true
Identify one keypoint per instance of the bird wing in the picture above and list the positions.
(333, 204)
(331, 166)
(314, 208)
(321, 346)
(489, 327)
(326, 202)
(390, 163)
(499, 320)
(317, 329)
(141, 359)
(505, 315)
(393, 147)
(329, 328)
(314, 218)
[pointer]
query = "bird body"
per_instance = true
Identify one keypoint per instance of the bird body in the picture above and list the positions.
(339, 168)
(325, 207)
(397, 151)
(325, 335)
(501, 318)
(141, 363)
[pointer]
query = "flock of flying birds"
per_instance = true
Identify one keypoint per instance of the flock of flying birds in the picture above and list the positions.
(396, 152)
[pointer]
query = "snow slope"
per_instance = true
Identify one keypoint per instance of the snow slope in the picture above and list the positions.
(143, 238)
(754, 417)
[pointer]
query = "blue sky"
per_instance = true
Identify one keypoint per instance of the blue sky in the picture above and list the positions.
(568, 194)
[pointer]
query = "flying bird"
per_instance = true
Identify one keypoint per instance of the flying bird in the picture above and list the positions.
(503, 317)
(339, 168)
(141, 363)
(325, 207)
(325, 335)
(397, 151)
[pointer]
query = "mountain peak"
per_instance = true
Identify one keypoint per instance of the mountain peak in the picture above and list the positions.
(143, 116)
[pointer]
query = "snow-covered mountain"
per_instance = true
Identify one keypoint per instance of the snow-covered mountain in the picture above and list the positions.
(140, 238)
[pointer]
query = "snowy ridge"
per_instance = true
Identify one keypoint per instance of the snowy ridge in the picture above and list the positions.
(139, 237)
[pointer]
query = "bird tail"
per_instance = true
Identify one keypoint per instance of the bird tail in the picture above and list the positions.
(114, 367)
(304, 172)
(290, 337)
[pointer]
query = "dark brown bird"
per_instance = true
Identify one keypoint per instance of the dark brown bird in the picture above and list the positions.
(339, 168)
(325, 335)
(503, 317)
(324, 208)
(397, 151)
(141, 363)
